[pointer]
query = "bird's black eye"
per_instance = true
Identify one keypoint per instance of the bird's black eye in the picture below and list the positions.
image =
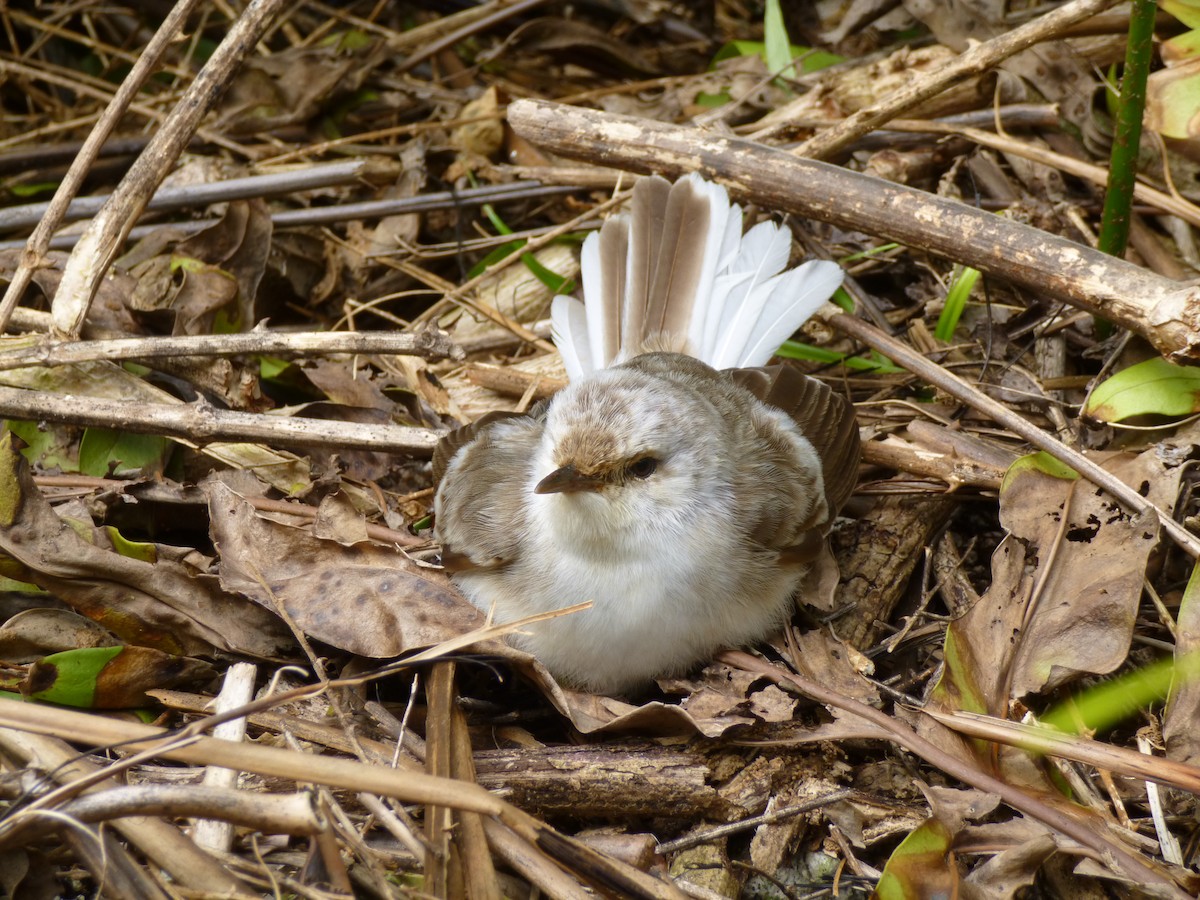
(644, 467)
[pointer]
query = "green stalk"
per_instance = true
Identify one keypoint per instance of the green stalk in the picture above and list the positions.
(1122, 167)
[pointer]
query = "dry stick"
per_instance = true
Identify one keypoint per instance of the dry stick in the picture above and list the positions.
(268, 184)
(428, 344)
(402, 784)
(1172, 204)
(39, 241)
(365, 209)
(905, 356)
(237, 689)
(1165, 312)
(162, 843)
(531, 864)
(974, 61)
(1051, 742)
(200, 423)
(98, 247)
(293, 813)
(1117, 856)
(498, 12)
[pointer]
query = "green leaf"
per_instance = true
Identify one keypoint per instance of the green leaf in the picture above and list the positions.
(143, 550)
(841, 298)
(494, 217)
(1186, 11)
(956, 301)
(1181, 47)
(552, 280)
(807, 352)
(712, 101)
(1110, 702)
(1153, 387)
(1041, 461)
(69, 677)
(103, 452)
(810, 59)
(778, 47)
(49, 446)
(867, 254)
(919, 867)
(1173, 100)
(33, 188)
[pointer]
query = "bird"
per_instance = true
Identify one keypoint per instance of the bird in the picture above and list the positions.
(677, 482)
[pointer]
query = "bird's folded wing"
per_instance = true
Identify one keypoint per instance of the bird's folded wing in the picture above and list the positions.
(455, 440)
(480, 510)
(825, 418)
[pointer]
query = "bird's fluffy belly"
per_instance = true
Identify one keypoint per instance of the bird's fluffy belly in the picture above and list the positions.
(646, 619)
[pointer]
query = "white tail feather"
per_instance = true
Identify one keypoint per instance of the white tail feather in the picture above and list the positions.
(719, 243)
(568, 321)
(796, 295)
(592, 274)
(764, 253)
(744, 306)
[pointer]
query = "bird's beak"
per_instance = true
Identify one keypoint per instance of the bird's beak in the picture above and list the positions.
(568, 480)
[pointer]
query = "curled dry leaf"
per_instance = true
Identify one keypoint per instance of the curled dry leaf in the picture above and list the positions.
(39, 632)
(365, 599)
(1183, 704)
(110, 677)
(157, 602)
(1064, 595)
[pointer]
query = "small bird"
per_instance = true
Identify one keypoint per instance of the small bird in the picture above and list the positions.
(674, 483)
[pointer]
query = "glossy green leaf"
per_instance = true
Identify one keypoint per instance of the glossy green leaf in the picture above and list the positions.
(956, 301)
(1041, 461)
(70, 677)
(1154, 387)
(103, 452)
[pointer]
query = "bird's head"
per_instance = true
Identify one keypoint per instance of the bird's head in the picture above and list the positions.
(625, 445)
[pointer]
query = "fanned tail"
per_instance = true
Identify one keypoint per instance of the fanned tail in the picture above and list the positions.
(676, 273)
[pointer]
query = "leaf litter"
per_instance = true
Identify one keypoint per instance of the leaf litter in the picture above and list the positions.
(974, 576)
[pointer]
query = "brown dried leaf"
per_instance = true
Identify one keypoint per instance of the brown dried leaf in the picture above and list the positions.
(123, 681)
(1083, 619)
(1183, 707)
(292, 85)
(1063, 598)
(161, 603)
(369, 600)
(236, 248)
(40, 632)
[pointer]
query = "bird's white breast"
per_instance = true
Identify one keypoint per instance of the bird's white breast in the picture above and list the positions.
(667, 587)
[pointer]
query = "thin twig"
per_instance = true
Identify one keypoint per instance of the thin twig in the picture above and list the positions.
(905, 356)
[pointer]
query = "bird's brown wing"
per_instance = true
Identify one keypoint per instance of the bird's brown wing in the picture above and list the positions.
(824, 417)
(454, 441)
(480, 507)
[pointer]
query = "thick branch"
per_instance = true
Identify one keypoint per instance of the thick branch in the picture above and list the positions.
(201, 423)
(1165, 312)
